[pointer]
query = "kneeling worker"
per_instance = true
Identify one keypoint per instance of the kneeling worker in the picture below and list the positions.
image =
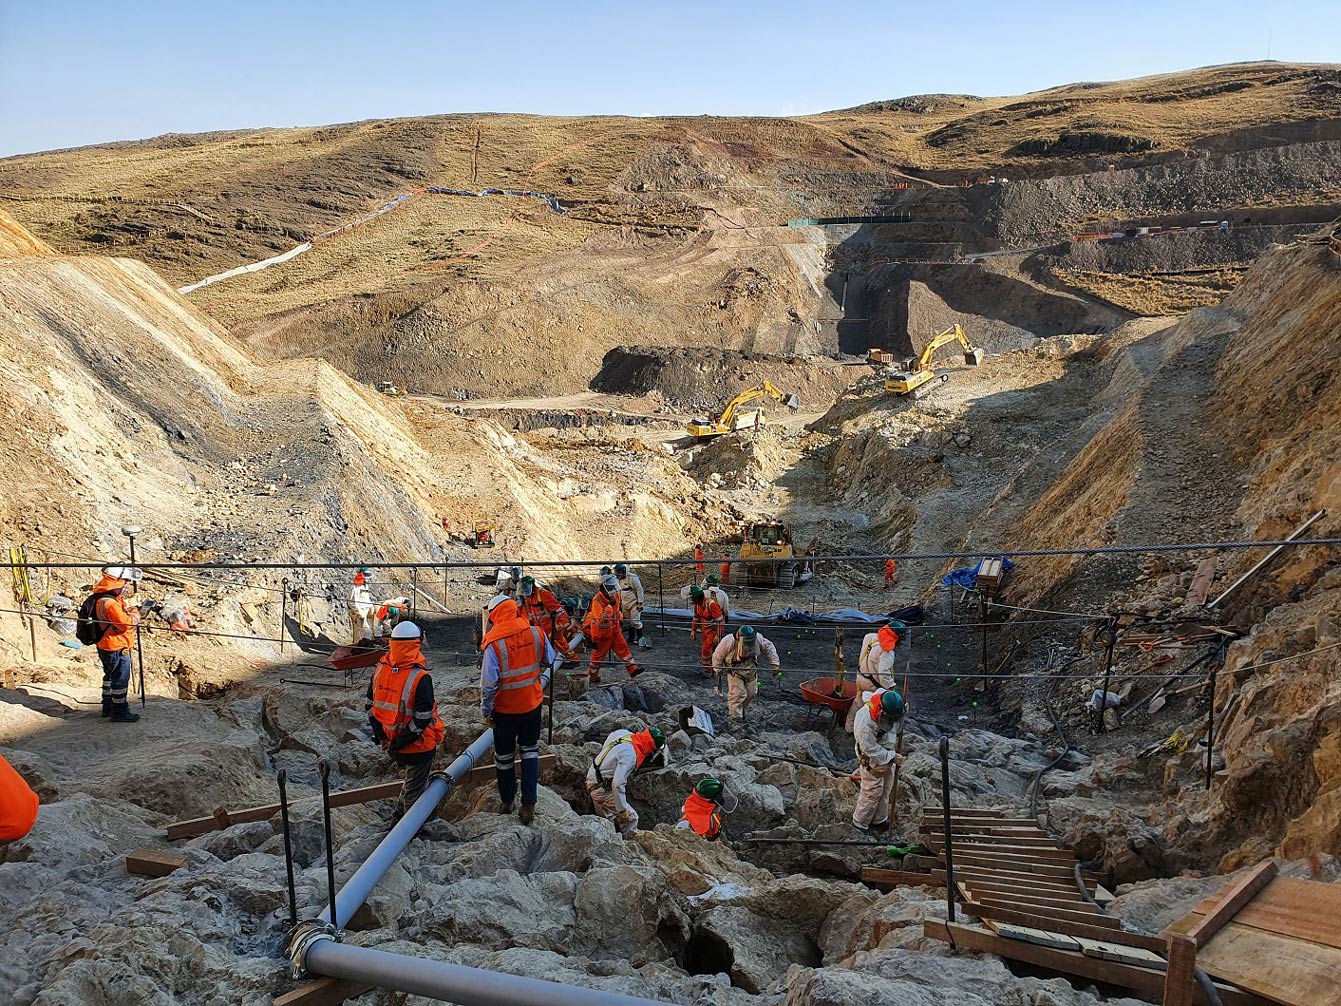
(622, 754)
(737, 657)
(512, 698)
(874, 739)
(703, 811)
(402, 712)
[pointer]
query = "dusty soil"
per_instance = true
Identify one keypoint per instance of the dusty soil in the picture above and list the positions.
(553, 359)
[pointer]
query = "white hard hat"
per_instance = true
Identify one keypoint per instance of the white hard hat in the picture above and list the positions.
(406, 630)
(130, 573)
(495, 601)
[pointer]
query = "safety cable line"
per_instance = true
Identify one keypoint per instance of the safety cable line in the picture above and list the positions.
(863, 557)
(695, 665)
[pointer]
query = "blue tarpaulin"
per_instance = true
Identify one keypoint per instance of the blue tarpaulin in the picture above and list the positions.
(967, 577)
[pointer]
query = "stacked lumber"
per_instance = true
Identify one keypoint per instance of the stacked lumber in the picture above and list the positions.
(1275, 936)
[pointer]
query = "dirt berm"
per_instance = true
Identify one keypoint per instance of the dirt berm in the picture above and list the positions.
(706, 378)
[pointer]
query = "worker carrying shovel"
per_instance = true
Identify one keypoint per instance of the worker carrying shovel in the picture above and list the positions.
(873, 736)
(737, 658)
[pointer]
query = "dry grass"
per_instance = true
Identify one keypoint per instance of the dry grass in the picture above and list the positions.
(1155, 295)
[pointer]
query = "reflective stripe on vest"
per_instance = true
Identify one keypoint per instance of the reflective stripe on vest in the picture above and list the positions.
(601, 781)
(400, 709)
(509, 679)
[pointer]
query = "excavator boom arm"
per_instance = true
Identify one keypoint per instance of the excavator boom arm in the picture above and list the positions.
(951, 334)
(750, 395)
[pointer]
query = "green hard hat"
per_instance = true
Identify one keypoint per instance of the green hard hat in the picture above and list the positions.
(696, 592)
(710, 788)
(713, 578)
(658, 738)
(747, 633)
(605, 571)
(621, 569)
(527, 586)
(891, 706)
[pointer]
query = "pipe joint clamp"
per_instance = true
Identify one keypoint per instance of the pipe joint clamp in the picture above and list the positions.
(304, 936)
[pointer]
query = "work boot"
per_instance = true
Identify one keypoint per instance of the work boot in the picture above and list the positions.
(594, 678)
(634, 670)
(122, 714)
(861, 828)
(106, 708)
(506, 809)
(881, 826)
(527, 814)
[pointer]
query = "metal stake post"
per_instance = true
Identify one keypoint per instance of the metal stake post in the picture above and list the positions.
(325, 768)
(414, 593)
(1110, 644)
(131, 532)
(661, 602)
(283, 613)
(552, 676)
(288, 846)
(949, 832)
(982, 622)
(1210, 729)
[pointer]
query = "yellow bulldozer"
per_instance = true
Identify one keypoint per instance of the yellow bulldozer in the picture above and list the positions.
(917, 375)
(734, 418)
(777, 561)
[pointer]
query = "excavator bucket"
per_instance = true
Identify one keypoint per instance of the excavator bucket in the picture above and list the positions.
(792, 402)
(973, 357)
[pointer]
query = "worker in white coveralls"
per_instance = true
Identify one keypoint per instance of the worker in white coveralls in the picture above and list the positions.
(361, 608)
(874, 738)
(623, 753)
(737, 658)
(631, 602)
(875, 666)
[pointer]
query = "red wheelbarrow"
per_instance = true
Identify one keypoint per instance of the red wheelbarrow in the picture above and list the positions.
(351, 658)
(834, 694)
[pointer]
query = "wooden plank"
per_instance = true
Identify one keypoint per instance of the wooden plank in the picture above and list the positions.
(1045, 896)
(980, 822)
(1201, 582)
(1118, 936)
(1039, 853)
(1114, 952)
(1026, 866)
(1291, 971)
(154, 862)
(985, 838)
(939, 812)
(1289, 906)
(1243, 891)
(222, 818)
(887, 880)
(322, 992)
(1179, 983)
(1038, 936)
(1143, 980)
(1092, 917)
(1029, 880)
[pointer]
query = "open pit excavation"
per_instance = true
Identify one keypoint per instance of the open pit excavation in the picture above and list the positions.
(886, 556)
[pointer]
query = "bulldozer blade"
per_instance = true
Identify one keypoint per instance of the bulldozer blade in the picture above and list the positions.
(792, 402)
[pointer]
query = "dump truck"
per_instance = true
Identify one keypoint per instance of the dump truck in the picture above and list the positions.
(917, 374)
(734, 418)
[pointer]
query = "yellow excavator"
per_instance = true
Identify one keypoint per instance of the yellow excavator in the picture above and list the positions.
(734, 418)
(917, 374)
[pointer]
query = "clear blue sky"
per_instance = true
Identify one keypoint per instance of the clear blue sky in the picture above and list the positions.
(84, 72)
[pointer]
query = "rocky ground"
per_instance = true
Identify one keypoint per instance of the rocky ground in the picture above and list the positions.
(553, 360)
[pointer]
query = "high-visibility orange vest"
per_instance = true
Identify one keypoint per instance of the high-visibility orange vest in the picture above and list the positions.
(18, 804)
(519, 656)
(393, 704)
(702, 815)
